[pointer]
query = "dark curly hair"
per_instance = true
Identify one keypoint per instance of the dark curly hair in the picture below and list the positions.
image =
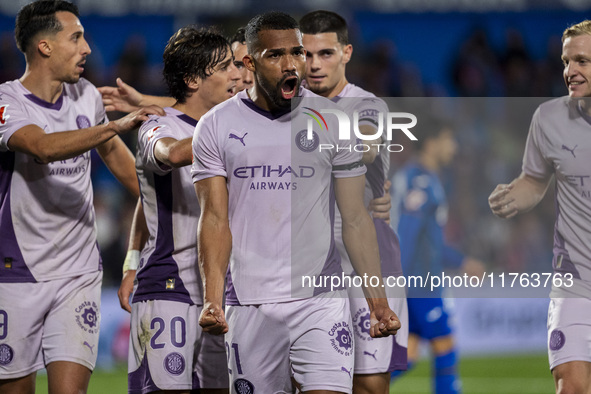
(39, 17)
(191, 53)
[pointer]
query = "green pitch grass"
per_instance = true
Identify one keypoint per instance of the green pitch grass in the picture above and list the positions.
(492, 375)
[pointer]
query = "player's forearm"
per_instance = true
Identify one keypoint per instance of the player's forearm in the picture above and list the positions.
(121, 163)
(527, 192)
(359, 237)
(177, 154)
(214, 245)
(61, 145)
(138, 233)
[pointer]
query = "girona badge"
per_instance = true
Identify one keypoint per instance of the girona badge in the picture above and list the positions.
(3, 115)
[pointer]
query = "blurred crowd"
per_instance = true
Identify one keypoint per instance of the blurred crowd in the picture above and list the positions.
(490, 151)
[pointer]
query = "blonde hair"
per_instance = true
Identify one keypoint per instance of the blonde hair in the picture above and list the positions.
(577, 30)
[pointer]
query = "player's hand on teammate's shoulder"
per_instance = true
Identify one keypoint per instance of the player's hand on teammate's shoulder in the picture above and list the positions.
(135, 118)
(384, 322)
(212, 319)
(126, 289)
(123, 98)
(500, 202)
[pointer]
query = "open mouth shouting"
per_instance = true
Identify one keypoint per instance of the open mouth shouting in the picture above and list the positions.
(289, 86)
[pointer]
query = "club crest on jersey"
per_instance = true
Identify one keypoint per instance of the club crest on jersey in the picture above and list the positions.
(243, 386)
(82, 122)
(304, 144)
(361, 324)
(174, 363)
(341, 338)
(3, 115)
(6, 354)
(557, 340)
(87, 317)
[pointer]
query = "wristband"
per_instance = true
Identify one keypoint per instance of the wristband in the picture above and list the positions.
(132, 261)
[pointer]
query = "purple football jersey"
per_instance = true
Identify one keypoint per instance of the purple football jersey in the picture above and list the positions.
(47, 219)
(558, 144)
(281, 199)
(169, 269)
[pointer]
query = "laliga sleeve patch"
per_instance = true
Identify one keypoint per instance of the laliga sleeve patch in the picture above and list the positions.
(153, 130)
(3, 114)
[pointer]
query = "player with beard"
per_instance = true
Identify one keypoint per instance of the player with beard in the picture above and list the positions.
(51, 275)
(272, 236)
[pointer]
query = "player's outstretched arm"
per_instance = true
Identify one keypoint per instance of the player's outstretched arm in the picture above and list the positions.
(125, 98)
(521, 195)
(138, 236)
(63, 145)
(380, 207)
(174, 153)
(214, 245)
(359, 237)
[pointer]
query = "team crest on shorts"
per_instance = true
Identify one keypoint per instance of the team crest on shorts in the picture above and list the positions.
(87, 317)
(6, 354)
(243, 386)
(174, 363)
(361, 324)
(557, 340)
(341, 338)
(82, 121)
(304, 144)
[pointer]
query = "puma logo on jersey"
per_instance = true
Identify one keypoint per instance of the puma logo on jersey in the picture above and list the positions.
(564, 147)
(365, 353)
(89, 346)
(241, 139)
(3, 115)
(347, 370)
